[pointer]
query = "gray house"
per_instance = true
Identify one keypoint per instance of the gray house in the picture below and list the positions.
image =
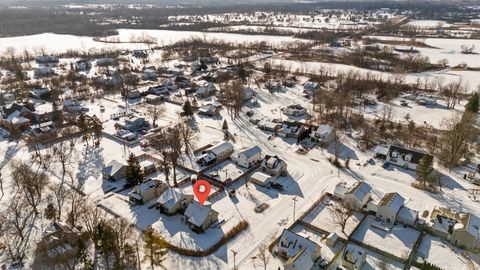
(114, 171)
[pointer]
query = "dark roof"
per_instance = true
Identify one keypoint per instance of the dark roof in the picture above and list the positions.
(416, 155)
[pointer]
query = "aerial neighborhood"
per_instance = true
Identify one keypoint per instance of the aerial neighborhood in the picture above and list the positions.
(252, 135)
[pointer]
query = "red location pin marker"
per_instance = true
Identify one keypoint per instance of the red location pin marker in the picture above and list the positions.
(202, 190)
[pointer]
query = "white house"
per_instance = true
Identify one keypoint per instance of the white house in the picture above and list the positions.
(200, 217)
(289, 131)
(389, 206)
(146, 191)
(173, 200)
(261, 179)
(294, 110)
(358, 195)
(354, 257)
(274, 166)
(249, 157)
(217, 152)
(466, 233)
(406, 158)
(299, 252)
(324, 134)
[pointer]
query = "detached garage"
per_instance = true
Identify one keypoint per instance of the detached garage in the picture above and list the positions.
(261, 179)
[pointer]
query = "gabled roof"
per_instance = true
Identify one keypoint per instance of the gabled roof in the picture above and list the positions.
(416, 155)
(248, 153)
(170, 197)
(221, 148)
(113, 167)
(393, 201)
(471, 224)
(302, 260)
(324, 129)
(197, 214)
(292, 243)
(360, 190)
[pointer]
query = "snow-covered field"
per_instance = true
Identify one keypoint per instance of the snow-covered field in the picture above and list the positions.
(428, 23)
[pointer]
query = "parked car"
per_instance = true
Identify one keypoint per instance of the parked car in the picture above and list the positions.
(276, 186)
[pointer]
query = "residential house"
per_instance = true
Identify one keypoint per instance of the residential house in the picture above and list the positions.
(146, 191)
(261, 179)
(216, 153)
(43, 71)
(210, 110)
(37, 111)
(133, 124)
(148, 167)
(15, 119)
(47, 59)
(58, 245)
(310, 87)
(324, 134)
(159, 90)
(389, 206)
(199, 217)
(299, 252)
(290, 130)
(43, 130)
(249, 157)
(354, 257)
(206, 90)
(134, 94)
(105, 61)
(83, 65)
(294, 110)
(274, 166)
(466, 232)
(182, 81)
(114, 171)
(140, 53)
(173, 200)
(150, 74)
(40, 93)
(356, 196)
(153, 99)
(72, 106)
(269, 126)
(406, 158)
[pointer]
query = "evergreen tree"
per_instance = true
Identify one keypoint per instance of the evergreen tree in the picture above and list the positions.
(133, 173)
(50, 212)
(225, 125)
(425, 170)
(187, 108)
(472, 105)
(154, 247)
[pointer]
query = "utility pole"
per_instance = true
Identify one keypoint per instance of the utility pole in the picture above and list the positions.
(294, 200)
(234, 254)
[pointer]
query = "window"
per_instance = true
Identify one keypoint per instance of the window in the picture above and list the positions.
(394, 154)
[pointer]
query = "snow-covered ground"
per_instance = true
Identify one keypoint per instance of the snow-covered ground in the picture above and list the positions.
(440, 252)
(398, 241)
(428, 23)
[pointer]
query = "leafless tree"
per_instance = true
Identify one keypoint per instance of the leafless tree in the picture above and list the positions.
(187, 135)
(30, 182)
(155, 112)
(341, 213)
(454, 141)
(263, 255)
(14, 223)
(63, 152)
(234, 97)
